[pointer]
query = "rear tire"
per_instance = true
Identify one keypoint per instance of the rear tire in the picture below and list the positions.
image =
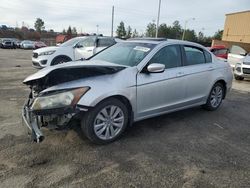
(60, 60)
(215, 97)
(105, 122)
(238, 77)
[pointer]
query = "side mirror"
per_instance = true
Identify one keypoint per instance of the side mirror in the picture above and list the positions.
(78, 46)
(156, 68)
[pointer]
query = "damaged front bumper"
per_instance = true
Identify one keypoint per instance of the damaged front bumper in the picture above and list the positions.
(51, 119)
(31, 121)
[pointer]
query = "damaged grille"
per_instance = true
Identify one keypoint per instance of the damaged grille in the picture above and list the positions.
(246, 71)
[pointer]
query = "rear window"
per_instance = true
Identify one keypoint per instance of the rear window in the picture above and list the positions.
(194, 56)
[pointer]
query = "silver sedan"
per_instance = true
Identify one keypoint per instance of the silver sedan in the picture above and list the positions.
(128, 82)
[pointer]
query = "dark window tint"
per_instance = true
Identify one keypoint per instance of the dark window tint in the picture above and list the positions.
(208, 57)
(194, 56)
(170, 56)
(220, 51)
(105, 42)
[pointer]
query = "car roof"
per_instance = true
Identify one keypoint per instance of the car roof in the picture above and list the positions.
(163, 40)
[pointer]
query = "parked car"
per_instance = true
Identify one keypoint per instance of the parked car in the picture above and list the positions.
(39, 44)
(219, 51)
(7, 43)
(127, 82)
(73, 49)
(27, 44)
(240, 62)
(17, 43)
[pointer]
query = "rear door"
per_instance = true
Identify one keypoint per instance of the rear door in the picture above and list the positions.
(197, 71)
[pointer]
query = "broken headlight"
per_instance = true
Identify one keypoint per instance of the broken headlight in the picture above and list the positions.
(47, 53)
(59, 100)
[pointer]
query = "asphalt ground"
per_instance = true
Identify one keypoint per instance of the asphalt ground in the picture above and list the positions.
(190, 148)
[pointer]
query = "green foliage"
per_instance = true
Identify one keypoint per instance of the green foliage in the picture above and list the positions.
(74, 31)
(69, 31)
(129, 32)
(39, 25)
(151, 30)
(121, 32)
(135, 34)
(218, 35)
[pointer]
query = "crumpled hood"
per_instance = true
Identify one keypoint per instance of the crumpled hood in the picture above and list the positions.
(75, 70)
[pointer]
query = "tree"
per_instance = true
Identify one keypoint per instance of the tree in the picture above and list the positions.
(64, 32)
(163, 31)
(129, 32)
(39, 25)
(74, 31)
(190, 35)
(218, 35)
(69, 31)
(151, 30)
(121, 32)
(135, 34)
(177, 30)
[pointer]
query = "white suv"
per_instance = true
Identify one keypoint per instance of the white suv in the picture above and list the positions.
(240, 62)
(74, 49)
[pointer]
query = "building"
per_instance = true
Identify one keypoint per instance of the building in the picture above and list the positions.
(236, 30)
(237, 27)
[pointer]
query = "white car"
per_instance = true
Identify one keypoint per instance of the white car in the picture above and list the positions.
(240, 62)
(71, 50)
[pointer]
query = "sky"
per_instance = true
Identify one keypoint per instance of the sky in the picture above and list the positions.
(85, 15)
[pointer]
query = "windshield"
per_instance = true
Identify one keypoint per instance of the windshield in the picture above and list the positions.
(71, 42)
(128, 54)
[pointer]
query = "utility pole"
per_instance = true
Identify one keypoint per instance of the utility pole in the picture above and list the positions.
(97, 29)
(158, 18)
(112, 25)
(185, 27)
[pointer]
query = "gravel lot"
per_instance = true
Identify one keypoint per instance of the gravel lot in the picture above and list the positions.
(191, 148)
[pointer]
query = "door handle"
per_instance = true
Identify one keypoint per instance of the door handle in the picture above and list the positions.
(89, 50)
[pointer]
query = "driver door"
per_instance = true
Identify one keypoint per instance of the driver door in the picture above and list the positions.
(85, 48)
(161, 92)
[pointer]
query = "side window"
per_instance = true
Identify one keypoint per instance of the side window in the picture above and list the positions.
(88, 42)
(105, 42)
(208, 57)
(194, 56)
(170, 56)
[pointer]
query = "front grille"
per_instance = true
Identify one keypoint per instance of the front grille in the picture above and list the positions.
(246, 71)
(8, 43)
(35, 55)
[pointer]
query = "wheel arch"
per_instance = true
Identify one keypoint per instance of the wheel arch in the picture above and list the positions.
(126, 102)
(223, 82)
(60, 56)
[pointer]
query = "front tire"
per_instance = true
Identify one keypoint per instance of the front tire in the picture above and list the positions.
(215, 97)
(105, 122)
(60, 60)
(238, 77)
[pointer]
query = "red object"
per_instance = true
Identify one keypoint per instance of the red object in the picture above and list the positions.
(219, 51)
(62, 38)
(39, 44)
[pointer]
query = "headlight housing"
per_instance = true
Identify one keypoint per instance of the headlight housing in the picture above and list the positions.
(47, 53)
(59, 100)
